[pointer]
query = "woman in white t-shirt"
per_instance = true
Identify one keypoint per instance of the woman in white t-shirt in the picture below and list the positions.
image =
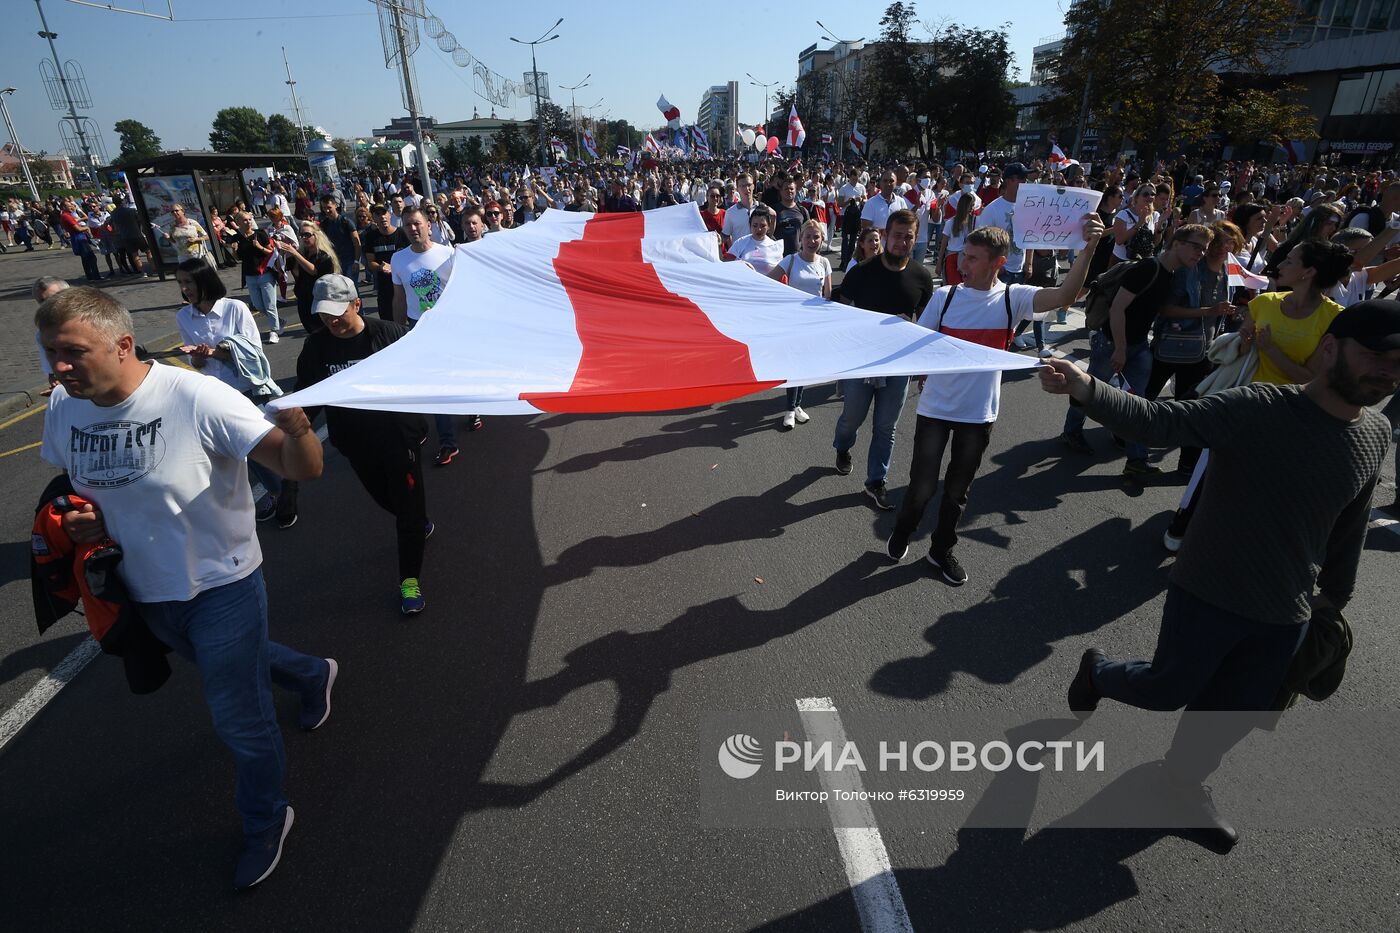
(1356, 284)
(955, 231)
(208, 319)
(1135, 226)
(808, 272)
(757, 249)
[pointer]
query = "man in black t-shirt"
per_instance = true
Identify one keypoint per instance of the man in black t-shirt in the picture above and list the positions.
(1120, 347)
(345, 239)
(890, 284)
(382, 446)
(791, 217)
(380, 242)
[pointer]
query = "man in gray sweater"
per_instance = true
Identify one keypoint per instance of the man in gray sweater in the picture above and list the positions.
(1242, 591)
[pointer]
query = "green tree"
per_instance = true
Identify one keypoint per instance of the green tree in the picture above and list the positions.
(138, 141)
(474, 152)
(382, 160)
(1155, 72)
(451, 156)
(511, 145)
(974, 66)
(283, 135)
(344, 153)
(240, 129)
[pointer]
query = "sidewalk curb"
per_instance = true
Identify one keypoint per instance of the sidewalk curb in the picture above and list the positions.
(19, 400)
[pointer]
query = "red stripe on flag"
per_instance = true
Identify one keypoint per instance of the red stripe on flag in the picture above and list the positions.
(645, 348)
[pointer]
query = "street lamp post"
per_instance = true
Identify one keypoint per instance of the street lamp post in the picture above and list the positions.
(539, 116)
(757, 83)
(573, 110)
(14, 138)
(829, 36)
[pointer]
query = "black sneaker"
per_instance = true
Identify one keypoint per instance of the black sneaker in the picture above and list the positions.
(1076, 442)
(477, 424)
(266, 509)
(843, 462)
(878, 493)
(1136, 468)
(445, 455)
(261, 854)
(952, 571)
(897, 546)
(1083, 695)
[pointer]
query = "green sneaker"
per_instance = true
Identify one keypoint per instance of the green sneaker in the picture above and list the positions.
(411, 600)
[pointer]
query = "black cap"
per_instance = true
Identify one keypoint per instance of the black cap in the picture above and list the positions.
(1374, 324)
(1014, 170)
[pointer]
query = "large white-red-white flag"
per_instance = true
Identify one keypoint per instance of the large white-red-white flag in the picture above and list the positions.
(797, 133)
(670, 111)
(857, 139)
(651, 145)
(589, 145)
(626, 312)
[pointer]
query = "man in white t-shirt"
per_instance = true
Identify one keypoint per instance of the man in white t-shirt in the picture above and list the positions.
(736, 216)
(160, 454)
(958, 410)
(879, 208)
(420, 273)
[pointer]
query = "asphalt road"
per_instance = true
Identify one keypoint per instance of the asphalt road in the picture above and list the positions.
(519, 757)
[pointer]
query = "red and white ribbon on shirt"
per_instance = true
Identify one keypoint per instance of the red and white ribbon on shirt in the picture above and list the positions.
(579, 312)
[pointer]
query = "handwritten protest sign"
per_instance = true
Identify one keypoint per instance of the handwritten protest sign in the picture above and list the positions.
(1047, 217)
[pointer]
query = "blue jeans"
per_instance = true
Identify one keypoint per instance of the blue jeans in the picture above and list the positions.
(920, 250)
(1137, 369)
(794, 398)
(262, 295)
(224, 632)
(1019, 278)
(889, 402)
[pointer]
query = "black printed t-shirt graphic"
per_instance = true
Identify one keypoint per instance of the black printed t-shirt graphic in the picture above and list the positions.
(356, 431)
(873, 286)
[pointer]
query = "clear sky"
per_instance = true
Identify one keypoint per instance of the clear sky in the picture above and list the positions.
(174, 76)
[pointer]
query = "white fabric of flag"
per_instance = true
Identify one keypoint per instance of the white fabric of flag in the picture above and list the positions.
(624, 312)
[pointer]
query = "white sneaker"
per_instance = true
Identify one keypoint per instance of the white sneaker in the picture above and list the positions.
(272, 336)
(1046, 353)
(801, 416)
(1170, 541)
(787, 420)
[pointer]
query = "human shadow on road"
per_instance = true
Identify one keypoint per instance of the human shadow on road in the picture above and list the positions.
(1007, 634)
(1004, 881)
(40, 656)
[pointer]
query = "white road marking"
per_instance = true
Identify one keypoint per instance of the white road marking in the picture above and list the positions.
(17, 716)
(873, 884)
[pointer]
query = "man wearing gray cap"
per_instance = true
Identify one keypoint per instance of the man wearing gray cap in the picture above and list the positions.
(382, 446)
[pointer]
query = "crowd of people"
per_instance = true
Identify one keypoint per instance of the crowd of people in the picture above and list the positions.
(1297, 364)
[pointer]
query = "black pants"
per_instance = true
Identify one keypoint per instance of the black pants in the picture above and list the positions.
(384, 296)
(1188, 376)
(393, 477)
(969, 443)
(848, 246)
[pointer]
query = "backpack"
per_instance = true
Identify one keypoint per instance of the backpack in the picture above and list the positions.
(1105, 289)
(1010, 322)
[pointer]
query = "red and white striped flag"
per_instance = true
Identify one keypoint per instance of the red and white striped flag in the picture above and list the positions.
(670, 111)
(797, 134)
(1242, 277)
(1058, 159)
(857, 138)
(628, 312)
(651, 145)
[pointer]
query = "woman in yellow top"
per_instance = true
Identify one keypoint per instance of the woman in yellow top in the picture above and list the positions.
(1286, 327)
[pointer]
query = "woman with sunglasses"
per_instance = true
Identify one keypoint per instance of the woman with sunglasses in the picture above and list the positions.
(441, 230)
(312, 259)
(1135, 226)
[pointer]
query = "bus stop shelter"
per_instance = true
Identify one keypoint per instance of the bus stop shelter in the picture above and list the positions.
(197, 180)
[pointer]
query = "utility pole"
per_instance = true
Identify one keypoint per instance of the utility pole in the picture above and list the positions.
(67, 92)
(296, 106)
(411, 99)
(19, 150)
(758, 83)
(1083, 116)
(535, 72)
(573, 108)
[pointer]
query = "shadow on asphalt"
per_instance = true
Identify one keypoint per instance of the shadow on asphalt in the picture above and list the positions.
(1004, 881)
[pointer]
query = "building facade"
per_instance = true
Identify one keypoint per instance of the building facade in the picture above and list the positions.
(402, 128)
(483, 128)
(718, 115)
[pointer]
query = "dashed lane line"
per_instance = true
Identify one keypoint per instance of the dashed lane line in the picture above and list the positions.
(29, 705)
(867, 863)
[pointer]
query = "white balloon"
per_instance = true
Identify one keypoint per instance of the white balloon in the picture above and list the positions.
(748, 137)
(760, 144)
